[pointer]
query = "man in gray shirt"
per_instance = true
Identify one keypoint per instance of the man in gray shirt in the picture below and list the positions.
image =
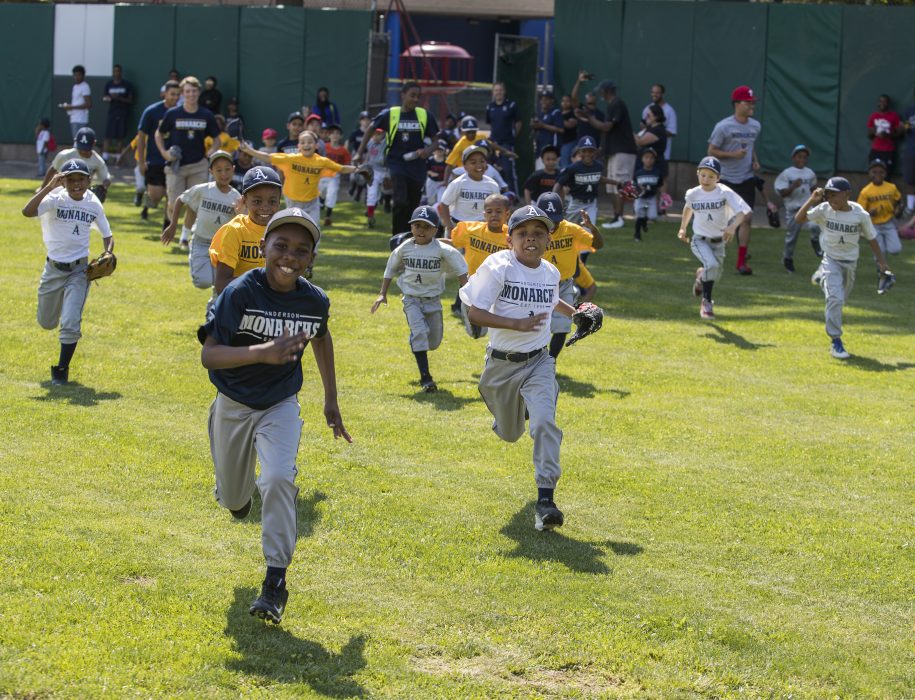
(733, 142)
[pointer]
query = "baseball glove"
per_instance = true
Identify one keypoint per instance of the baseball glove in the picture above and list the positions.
(588, 319)
(101, 192)
(102, 266)
(364, 175)
(666, 202)
(629, 190)
(772, 214)
(887, 280)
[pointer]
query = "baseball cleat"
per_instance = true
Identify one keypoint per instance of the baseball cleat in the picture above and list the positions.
(145, 214)
(838, 350)
(428, 385)
(242, 512)
(60, 375)
(271, 603)
(706, 310)
(697, 285)
(887, 280)
(745, 270)
(371, 222)
(789, 264)
(547, 516)
(615, 223)
(328, 221)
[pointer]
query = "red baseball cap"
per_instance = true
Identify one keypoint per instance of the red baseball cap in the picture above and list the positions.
(269, 134)
(743, 93)
(312, 117)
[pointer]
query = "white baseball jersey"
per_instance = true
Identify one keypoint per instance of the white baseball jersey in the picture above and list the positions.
(840, 230)
(490, 172)
(800, 194)
(65, 224)
(421, 269)
(98, 171)
(712, 210)
(505, 287)
(213, 208)
(464, 197)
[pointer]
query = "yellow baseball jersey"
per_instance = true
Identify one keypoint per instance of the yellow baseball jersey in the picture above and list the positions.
(583, 276)
(454, 158)
(567, 241)
(879, 201)
(478, 242)
(302, 174)
(226, 143)
(237, 244)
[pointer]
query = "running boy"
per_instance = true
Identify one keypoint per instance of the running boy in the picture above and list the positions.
(581, 179)
(375, 158)
(435, 173)
(82, 150)
(795, 184)
(711, 207)
(649, 178)
(463, 198)
(841, 224)
(883, 201)
(543, 180)
(420, 264)
(252, 348)
(66, 216)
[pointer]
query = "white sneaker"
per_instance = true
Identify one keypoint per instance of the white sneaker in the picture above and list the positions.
(616, 223)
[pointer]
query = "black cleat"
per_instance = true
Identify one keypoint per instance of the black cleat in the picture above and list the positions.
(144, 214)
(428, 385)
(547, 516)
(887, 280)
(789, 264)
(60, 375)
(271, 603)
(744, 270)
(242, 512)
(138, 199)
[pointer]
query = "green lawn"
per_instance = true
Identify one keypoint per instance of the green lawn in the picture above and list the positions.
(739, 505)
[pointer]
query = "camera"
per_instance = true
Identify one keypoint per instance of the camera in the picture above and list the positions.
(588, 76)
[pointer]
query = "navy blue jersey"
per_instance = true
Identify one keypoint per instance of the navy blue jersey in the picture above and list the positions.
(122, 90)
(582, 180)
(288, 145)
(549, 138)
(540, 181)
(409, 137)
(355, 139)
(187, 131)
(149, 122)
(501, 119)
(249, 312)
(435, 170)
(649, 180)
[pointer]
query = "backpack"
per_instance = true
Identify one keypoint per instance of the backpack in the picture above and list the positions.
(52, 143)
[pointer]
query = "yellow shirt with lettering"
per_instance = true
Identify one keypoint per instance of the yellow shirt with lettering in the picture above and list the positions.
(226, 143)
(567, 241)
(455, 158)
(879, 201)
(237, 244)
(478, 242)
(302, 174)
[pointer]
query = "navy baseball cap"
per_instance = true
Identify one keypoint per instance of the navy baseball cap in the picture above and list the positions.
(604, 85)
(220, 154)
(443, 145)
(295, 115)
(293, 215)
(554, 149)
(469, 124)
(710, 163)
(551, 204)
(547, 92)
(529, 213)
(75, 166)
(474, 149)
(585, 142)
(260, 175)
(85, 139)
(837, 184)
(648, 149)
(426, 215)
(800, 147)
(877, 163)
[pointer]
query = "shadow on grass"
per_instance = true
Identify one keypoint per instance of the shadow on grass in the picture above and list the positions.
(871, 365)
(277, 655)
(573, 387)
(584, 557)
(442, 399)
(726, 337)
(75, 394)
(307, 515)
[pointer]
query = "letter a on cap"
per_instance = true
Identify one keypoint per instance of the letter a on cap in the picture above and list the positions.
(531, 211)
(259, 174)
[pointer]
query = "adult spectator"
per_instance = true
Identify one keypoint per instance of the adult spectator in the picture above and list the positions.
(733, 142)
(883, 128)
(670, 117)
(80, 101)
(569, 131)
(408, 130)
(655, 135)
(119, 96)
(326, 109)
(503, 118)
(586, 109)
(908, 159)
(211, 97)
(547, 126)
(619, 145)
(152, 164)
(180, 138)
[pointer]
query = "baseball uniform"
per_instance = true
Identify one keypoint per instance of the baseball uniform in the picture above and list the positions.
(582, 181)
(302, 175)
(880, 201)
(478, 243)
(793, 202)
(98, 171)
(213, 208)
(237, 244)
(711, 213)
(566, 242)
(464, 197)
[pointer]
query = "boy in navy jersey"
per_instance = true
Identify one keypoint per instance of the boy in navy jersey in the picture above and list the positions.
(649, 178)
(581, 179)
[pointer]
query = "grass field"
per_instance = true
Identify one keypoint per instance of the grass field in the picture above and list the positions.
(739, 505)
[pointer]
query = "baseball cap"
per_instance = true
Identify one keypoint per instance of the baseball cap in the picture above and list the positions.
(337, 127)
(269, 133)
(837, 184)
(469, 124)
(551, 204)
(85, 139)
(293, 215)
(312, 117)
(426, 215)
(364, 115)
(743, 93)
(260, 175)
(75, 166)
(547, 92)
(605, 85)
(529, 213)
(554, 149)
(800, 147)
(648, 149)
(295, 115)
(443, 145)
(877, 162)
(220, 154)
(474, 149)
(710, 163)
(585, 142)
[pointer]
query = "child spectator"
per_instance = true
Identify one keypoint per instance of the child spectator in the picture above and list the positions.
(794, 184)
(420, 265)
(580, 181)
(463, 198)
(295, 124)
(268, 140)
(43, 144)
(544, 179)
(435, 173)
(375, 157)
(314, 124)
(883, 201)
(649, 179)
(329, 187)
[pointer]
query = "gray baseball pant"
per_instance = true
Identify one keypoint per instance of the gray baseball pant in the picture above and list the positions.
(312, 207)
(711, 255)
(202, 271)
(560, 323)
(576, 205)
(238, 435)
(61, 298)
(888, 238)
(424, 316)
(793, 229)
(508, 388)
(837, 281)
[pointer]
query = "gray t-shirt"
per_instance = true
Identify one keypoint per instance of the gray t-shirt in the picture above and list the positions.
(213, 208)
(800, 194)
(840, 230)
(421, 269)
(732, 135)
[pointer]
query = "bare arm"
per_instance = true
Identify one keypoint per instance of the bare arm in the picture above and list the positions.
(586, 222)
(588, 293)
(685, 218)
(254, 153)
(31, 207)
(223, 276)
(482, 317)
(815, 198)
(878, 254)
(279, 351)
(323, 349)
(382, 297)
(565, 308)
(51, 172)
(160, 144)
(445, 215)
(168, 233)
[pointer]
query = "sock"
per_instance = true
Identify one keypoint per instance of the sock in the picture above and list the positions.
(328, 212)
(910, 201)
(276, 573)
(556, 344)
(370, 210)
(66, 354)
(185, 234)
(422, 361)
(707, 290)
(545, 494)
(641, 224)
(741, 256)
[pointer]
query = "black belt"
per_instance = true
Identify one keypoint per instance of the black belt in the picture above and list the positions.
(515, 356)
(712, 240)
(67, 267)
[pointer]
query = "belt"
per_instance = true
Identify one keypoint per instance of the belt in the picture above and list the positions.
(515, 356)
(67, 267)
(711, 240)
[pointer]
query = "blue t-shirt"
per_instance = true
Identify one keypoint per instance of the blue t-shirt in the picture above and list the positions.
(410, 136)
(501, 119)
(649, 180)
(908, 116)
(187, 130)
(149, 122)
(249, 312)
(582, 180)
(584, 127)
(548, 138)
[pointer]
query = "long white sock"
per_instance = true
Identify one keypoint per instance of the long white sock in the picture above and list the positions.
(910, 201)
(185, 234)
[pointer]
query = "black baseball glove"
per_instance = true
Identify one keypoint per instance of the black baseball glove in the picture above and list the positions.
(364, 175)
(588, 319)
(101, 192)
